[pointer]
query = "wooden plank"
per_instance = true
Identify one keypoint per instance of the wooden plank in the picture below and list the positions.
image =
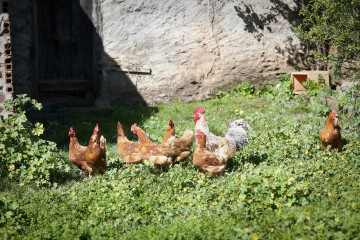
(299, 77)
(55, 86)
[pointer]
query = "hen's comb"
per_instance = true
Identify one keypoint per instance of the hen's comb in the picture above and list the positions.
(171, 123)
(333, 113)
(133, 128)
(198, 133)
(71, 132)
(96, 128)
(199, 110)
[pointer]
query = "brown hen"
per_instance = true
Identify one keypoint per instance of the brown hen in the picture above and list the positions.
(206, 160)
(127, 149)
(95, 153)
(77, 152)
(330, 135)
(170, 132)
(175, 149)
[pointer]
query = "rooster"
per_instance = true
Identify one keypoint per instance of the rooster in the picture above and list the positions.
(77, 152)
(127, 149)
(95, 153)
(175, 149)
(205, 160)
(330, 135)
(235, 139)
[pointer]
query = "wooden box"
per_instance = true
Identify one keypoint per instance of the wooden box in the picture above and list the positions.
(299, 77)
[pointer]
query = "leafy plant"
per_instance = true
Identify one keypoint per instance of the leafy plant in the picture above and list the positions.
(282, 186)
(333, 27)
(26, 158)
(312, 87)
(350, 101)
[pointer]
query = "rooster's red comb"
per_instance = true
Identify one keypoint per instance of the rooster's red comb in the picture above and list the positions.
(171, 123)
(199, 110)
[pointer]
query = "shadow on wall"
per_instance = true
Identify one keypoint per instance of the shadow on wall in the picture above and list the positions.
(256, 24)
(68, 63)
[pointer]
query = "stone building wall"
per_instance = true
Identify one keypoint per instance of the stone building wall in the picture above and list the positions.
(6, 65)
(195, 48)
(155, 50)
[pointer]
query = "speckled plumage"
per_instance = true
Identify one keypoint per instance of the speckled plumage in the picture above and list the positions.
(237, 135)
(235, 139)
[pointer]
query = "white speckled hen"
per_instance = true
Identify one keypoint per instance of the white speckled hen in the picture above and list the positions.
(235, 139)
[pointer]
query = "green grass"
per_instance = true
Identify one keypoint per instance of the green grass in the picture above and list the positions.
(283, 186)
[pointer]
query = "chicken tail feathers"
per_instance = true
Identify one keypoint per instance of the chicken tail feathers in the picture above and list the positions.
(248, 127)
(189, 135)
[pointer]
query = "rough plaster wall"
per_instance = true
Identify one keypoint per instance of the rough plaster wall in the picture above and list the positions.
(195, 48)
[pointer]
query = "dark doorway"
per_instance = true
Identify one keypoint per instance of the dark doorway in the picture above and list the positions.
(63, 56)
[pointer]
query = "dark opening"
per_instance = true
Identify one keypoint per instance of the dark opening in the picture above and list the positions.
(5, 8)
(9, 89)
(8, 60)
(65, 51)
(8, 80)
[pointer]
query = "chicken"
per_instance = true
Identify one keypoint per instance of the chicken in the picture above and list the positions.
(237, 134)
(127, 149)
(181, 146)
(330, 135)
(170, 132)
(175, 149)
(95, 153)
(205, 160)
(235, 139)
(77, 152)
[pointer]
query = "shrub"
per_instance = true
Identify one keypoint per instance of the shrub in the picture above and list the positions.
(283, 90)
(24, 156)
(350, 101)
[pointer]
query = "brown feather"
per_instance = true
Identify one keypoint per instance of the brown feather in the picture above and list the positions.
(331, 135)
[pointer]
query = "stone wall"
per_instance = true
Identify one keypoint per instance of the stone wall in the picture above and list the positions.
(6, 65)
(195, 48)
(155, 50)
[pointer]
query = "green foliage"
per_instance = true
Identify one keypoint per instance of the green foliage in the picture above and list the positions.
(25, 158)
(333, 23)
(245, 90)
(350, 101)
(331, 29)
(282, 186)
(312, 88)
(281, 90)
